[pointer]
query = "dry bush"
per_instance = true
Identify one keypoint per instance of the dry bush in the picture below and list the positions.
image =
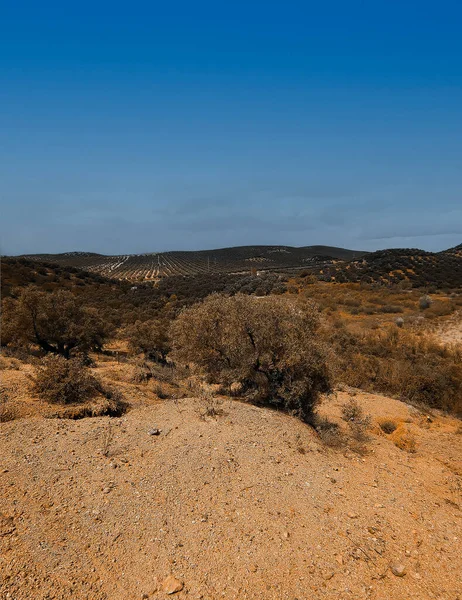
(210, 405)
(107, 439)
(425, 302)
(141, 372)
(270, 346)
(329, 432)
(168, 373)
(400, 362)
(150, 338)
(387, 425)
(358, 422)
(439, 308)
(64, 381)
(69, 383)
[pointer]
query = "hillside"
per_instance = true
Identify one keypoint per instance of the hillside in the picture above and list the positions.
(417, 267)
(248, 504)
(398, 265)
(152, 266)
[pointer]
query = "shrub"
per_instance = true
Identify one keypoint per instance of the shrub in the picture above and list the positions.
(329, 432)
(161, 393)
(56, 322)
(389, 308)
(425, 302)
(269, 346)
(141, 372)
(439, 309)
(400, 363)
(211, 406)
(357, 420)
(387, 426)
(64, 381)
(151, 338)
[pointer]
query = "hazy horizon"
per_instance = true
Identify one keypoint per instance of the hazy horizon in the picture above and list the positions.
(128, 130)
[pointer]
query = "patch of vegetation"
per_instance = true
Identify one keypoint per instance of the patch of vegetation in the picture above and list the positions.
(357, 421)
(388, 426)
(329, 432)
(70, 383)
(58, 323)
(269, 347)
(401, 363)
(409, 266)
(63, 381)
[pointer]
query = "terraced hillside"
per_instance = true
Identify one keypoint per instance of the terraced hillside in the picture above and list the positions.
(153, 266)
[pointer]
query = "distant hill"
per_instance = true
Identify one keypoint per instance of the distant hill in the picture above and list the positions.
(410, 265)
(417, 267)
(241, 259)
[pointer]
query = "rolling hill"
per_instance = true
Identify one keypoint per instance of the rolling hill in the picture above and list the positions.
(419, 268)
(153, 266)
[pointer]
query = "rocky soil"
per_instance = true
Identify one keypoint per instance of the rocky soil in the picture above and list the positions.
(247, 504)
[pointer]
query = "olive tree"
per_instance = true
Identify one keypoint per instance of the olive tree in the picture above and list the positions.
(269, 347)
(57, 322)
(149, 337)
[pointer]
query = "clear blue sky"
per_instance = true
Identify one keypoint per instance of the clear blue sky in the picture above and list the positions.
(135, 127)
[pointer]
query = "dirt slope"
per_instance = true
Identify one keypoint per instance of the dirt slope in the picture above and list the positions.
(247, 505)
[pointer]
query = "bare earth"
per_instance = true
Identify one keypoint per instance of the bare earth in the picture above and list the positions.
(249, 504)
(451, 332)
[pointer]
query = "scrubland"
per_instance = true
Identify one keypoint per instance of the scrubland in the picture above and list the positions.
(286, 438)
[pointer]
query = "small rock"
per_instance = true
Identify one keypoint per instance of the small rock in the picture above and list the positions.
(172, 585)
(339, 559)
(154, 431)
(398, 569)
(352, 515)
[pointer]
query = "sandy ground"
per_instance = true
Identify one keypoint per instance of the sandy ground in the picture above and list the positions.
(249, 504)
(451, 331)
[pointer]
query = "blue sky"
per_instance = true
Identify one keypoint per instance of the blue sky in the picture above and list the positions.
(137, 127)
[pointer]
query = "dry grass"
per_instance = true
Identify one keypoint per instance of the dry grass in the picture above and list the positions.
(387, 425)
(405, 364)
(330, 432)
